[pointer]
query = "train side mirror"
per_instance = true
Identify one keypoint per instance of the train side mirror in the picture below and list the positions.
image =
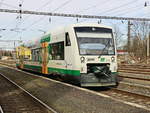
(67, 40)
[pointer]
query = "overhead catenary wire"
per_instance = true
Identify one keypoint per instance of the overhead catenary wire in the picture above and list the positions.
(62, 5)
(110, 11)
(119, 13)
(125, 9)
(98, 14)
(93, 6)
(118, 7)
(73, 15)
(21, 1)
(11, 6)
(86, 9)
(130, 10)
(59, 7)
(47, 3)
(19, 17)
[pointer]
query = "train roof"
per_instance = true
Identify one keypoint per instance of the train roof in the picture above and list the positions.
(89, 24)
(36, 43)
(62, 28)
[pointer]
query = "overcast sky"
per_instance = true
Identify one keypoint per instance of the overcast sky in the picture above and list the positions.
(32, 25)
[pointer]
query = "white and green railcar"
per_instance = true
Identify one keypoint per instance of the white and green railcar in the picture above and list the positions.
(83, 53)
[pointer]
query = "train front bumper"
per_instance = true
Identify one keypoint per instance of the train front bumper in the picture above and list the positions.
(90, 80)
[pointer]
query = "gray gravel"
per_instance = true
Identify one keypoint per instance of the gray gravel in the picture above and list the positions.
(14, 100)
(135, 75)
(135, 88)
(66, 99)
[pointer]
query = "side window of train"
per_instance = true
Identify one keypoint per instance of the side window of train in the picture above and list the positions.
(57, 51)
(67, 39)
(36, 54)
(32, 53)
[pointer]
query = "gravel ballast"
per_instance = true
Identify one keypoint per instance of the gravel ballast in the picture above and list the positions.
(67, 99)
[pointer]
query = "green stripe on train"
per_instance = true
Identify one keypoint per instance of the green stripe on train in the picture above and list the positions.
(33, 67)
(115, 73)
(54, 70)
(17, 65)
(64, 71)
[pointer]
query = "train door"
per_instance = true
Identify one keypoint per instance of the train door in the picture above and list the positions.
(68, 53)
(21, 57)
(44, 57)
(21, 61)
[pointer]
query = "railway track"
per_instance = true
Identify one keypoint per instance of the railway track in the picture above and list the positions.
(137, 69)
(135, 66)
(123, 70)
(15, 99)
(1, 110)
(133, 71)
(129, 97)
(135, 78)
(138, 96)
(11, 64)
(126, 95)
(128, 90)
(125, 73)
(122, 76)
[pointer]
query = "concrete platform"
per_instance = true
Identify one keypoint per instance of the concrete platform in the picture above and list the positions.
(66, 98)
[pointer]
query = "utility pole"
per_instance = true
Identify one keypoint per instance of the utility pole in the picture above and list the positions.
(148, 36)
(129, 36)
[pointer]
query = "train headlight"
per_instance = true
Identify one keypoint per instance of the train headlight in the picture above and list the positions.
(112, 59)
(108, 65)
(82, 59)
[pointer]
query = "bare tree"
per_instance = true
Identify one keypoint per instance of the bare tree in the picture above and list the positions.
(140, 31)
(118, 35)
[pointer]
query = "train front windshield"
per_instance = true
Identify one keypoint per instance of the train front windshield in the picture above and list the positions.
(95, 41)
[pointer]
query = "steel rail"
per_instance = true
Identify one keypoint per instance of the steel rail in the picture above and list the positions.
(134, 78)
(1, 110)
(44, 104)
(128, 92)
(93, 92)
